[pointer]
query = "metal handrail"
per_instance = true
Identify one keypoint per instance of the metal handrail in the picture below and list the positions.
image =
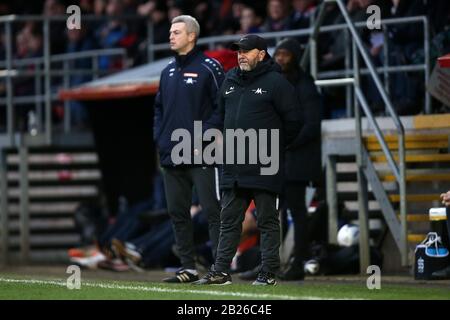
(66, 56)
(334, 82)
(65, 72)
(86, 17)
(299, 32)
(46, 61)
(313, 40)
(17, 73)
(373, 73)
(399, 171)
(379, 70)
(318, 28)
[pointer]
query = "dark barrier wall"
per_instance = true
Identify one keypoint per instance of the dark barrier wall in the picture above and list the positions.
(123, 131)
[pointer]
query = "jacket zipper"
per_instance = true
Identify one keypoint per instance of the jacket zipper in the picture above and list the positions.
(177, 78)
(238, 111)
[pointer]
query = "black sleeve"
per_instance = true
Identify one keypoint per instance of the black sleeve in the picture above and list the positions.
(217, 117)
(158, 110)
(310, 104)
(286, 106)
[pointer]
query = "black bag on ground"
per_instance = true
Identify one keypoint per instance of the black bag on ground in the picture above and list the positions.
(430, 256)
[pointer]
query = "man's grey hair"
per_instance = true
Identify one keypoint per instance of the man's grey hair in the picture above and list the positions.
(190, 22)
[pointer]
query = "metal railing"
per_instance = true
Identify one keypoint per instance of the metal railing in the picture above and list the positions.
(44, 67)
(349, 27)
(43, 70)
(313, 32)
(66, 72)
(47, 71)
(365, 169)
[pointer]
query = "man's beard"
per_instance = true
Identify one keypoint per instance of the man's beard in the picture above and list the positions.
(247, 66)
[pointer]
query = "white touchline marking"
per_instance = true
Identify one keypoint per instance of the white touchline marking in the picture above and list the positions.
(156, 289)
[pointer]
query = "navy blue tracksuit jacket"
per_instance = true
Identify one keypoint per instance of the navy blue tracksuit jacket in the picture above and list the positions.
(188, 91)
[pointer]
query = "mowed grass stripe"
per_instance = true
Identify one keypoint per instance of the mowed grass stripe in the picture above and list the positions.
(164, 290)
(37, 288)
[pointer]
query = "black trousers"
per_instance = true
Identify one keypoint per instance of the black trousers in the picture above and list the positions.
(178, 183)
(295, 201)
(234, 204)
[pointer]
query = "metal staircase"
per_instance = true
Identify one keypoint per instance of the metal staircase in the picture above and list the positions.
(365, 171)
(43, 193)
(427, 174)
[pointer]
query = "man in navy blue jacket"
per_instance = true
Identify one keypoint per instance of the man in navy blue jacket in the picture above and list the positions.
(187, 93)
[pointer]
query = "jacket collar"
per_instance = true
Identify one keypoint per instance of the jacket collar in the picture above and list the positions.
(184, 60)
(261, 68)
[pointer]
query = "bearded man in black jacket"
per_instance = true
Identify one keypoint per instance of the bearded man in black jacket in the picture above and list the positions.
(254, 96)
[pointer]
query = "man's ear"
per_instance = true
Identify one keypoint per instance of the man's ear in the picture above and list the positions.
(191, 37)
(262, 54)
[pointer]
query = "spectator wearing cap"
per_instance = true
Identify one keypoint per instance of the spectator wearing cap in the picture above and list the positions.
(254, 96)
(303, 159)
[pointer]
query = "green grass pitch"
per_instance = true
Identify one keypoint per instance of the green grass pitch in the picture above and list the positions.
(23, 287)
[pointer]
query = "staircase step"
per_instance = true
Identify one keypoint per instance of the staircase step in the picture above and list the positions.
(377, 214)
(56, 158)
(57, 175)
(352, 186)
(353, 196)
(375, 146)
(416, 217)
(49, 240)
(416, 238)
(351, 167)
(44, 256)
(353, 214)
(434, 121)
(408, 138)
(419, 176)
(56, 192)
(40, 225)
(415, 197)
(44, 208)
(354, 205)
(434, 157)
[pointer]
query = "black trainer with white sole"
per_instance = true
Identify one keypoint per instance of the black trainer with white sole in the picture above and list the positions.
(182, 276)
(215, 277)
(265, 279)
